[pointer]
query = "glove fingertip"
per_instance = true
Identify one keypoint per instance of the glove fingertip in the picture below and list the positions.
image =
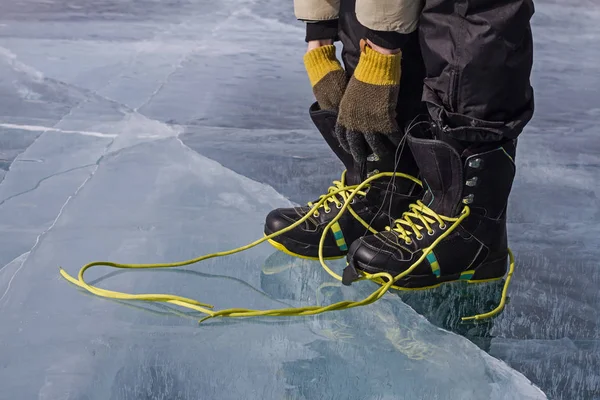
(340, 134)
(358, 146)
(380, 145)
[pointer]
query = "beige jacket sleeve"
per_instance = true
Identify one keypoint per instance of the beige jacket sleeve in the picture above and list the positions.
(381, 15)
(400, 16)
(316, 10)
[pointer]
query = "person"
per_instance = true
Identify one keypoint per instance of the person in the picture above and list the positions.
(450, 78)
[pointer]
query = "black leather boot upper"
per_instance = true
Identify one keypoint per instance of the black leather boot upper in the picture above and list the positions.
(372, 207)
(454, 176)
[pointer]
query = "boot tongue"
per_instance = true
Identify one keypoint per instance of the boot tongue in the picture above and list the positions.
(441, 170)
(357, 173)
(401, 162)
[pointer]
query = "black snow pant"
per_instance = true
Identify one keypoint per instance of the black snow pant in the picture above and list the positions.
(468, 65)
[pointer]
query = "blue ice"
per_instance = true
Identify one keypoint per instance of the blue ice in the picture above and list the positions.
(159, 131)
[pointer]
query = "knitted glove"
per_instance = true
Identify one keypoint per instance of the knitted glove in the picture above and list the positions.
(327, 77)
(367, 114)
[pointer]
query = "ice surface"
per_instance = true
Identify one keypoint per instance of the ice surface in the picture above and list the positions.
(175, 207)
(155, 131)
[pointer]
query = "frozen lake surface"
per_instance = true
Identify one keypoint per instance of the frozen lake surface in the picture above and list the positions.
(155, 131)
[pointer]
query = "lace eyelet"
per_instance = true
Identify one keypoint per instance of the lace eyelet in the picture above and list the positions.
(419, 237)
(327, 211)
(408, 241)
(431, 233)
(316, 214)
(339, 206)
(475, 163)
(443, 227)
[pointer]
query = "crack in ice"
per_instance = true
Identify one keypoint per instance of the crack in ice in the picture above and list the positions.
(47, 230)
(38, 184)
(184, 58)
(24, 257)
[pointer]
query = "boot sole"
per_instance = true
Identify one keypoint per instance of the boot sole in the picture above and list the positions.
(481, 274)
(281, 247)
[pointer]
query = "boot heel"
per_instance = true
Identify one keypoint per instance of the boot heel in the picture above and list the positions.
(492, 270)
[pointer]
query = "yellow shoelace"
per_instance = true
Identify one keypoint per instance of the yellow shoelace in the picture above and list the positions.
(419, 211)
(339, 190)
(385, 279)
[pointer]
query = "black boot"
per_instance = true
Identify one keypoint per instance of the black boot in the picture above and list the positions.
(371, 206)
(459, 227)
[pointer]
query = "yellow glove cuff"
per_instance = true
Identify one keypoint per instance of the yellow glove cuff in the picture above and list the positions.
(319, 62)
(379, 69)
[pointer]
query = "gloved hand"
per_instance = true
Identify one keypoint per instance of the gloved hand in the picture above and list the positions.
(367, 114)
(327, 77)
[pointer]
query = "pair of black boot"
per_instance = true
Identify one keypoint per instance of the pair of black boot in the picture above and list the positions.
(452, 228)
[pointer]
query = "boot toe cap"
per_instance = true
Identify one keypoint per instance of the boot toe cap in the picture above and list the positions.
(277, 220)
(379, 253)
(369, 254)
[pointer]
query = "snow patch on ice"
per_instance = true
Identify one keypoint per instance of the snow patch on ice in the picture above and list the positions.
(10, 58)
(39, 128)
(594, 112)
